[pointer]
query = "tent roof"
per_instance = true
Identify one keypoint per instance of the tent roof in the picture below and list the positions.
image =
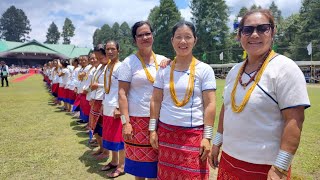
(63, 50)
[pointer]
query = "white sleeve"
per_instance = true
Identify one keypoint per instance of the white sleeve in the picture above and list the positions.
(125, 72)
(291, 88)
(208, 79)
(158, 83)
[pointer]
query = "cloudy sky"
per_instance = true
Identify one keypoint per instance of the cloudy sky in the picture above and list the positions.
(87, 15)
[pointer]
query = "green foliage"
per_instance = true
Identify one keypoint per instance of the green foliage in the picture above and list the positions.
(53, 34)
(105, 33)
(275, 12)
(308, 31)
(126, 41)
(14, 25)
(254, 6)
(67, 31)
(95, 37)
(163, 18)
(121, 34)
(210, 19)
(115, 32)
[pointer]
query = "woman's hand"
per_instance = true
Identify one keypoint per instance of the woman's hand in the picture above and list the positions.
(91, 103)
(204, 149)
(214, 155)
(94, 86)
(165, 62)
(127, 131)
(154, 139)
(274, 174)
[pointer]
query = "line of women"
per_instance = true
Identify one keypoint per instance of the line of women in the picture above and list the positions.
(155, 116)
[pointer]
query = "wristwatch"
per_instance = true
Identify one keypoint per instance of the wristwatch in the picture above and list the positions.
(282, 171)
(123, 119)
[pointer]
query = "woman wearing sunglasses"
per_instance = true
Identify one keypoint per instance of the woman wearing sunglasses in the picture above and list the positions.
(264, 101)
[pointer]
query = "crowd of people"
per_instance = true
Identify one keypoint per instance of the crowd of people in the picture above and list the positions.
(154, 116)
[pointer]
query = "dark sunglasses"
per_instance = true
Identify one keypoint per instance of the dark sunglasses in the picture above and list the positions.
(262, 28)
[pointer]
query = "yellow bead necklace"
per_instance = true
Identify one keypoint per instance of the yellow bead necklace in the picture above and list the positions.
(236, 108)
(190, 86)
(109, 66)
(149, 76)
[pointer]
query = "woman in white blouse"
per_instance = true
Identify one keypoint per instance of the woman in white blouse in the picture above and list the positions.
(183, 110)
(136, 77)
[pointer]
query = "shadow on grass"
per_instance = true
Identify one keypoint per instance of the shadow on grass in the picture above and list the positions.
(86, 143)
(75, 126)
(93, 164)
(82, 134)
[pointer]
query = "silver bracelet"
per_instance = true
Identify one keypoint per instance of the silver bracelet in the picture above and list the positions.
(283, 160)
(208, 132)
(217, 139)
(152, 125)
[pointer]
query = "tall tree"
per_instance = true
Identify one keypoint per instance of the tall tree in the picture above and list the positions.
(126, 41)
(105, 33)
(14, 25)
(153, 15)
(95, 37)
(115, 31)
(254, 6)
(289, 28)
(210, 18)
(275, 12)
(67, 31)
(309, 31)
(278, 20)
(53, 34)
(166, 17)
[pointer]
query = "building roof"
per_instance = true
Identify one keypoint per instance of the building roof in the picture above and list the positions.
(62, 50)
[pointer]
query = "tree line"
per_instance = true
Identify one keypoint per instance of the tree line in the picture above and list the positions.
(15, 26)
(293, 35)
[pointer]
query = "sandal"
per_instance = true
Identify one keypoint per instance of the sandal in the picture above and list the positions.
(108, 167)
(116, 173)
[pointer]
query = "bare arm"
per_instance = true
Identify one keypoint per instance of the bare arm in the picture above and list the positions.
(155, 103)
(221, 116)
(214, 161)
(209, 106)
(123, 98)
(290, 139)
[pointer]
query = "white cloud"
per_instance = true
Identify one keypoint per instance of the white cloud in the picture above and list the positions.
(186, 13)
(89, 15)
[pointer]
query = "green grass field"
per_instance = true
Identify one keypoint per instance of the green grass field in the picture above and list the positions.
(38, 142)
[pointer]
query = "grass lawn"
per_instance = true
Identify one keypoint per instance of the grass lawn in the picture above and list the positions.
(38, 142)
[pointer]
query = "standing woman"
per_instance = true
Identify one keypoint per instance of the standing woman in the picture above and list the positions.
(112, 127)
(183, 110)
(74, 69)
(263, 111)
(82, 90)
(55, 80)
(136, 77)
(97, 94)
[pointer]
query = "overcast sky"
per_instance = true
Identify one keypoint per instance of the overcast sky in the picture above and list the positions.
(87, 15)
